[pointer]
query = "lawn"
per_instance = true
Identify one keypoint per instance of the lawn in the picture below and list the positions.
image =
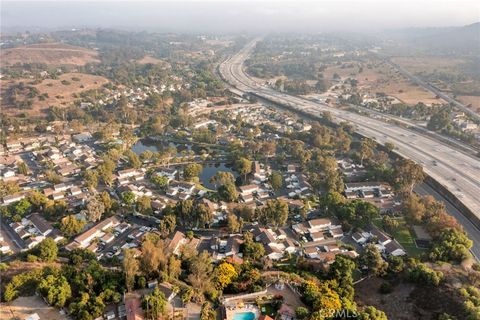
(268, 309)
(404, 236)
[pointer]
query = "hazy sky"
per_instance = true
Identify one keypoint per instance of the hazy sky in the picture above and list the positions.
(228, 16)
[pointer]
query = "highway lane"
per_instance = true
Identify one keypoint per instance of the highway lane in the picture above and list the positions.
(458, 172)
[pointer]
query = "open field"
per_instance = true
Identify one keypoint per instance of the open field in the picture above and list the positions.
(474, 101)
(60, 92)
(428, 64)
(407, 92)
(149, 59)
(408, 301)
(22, 307)
(49, 53)
(378, 77)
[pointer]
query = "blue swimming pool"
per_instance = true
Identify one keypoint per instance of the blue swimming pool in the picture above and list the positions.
(244, 316)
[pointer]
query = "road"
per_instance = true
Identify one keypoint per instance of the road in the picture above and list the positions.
(457, 171)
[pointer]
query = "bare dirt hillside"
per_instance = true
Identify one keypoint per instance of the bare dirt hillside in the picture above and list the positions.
(49, 53)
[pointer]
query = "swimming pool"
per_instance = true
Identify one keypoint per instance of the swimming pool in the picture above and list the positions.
(244, 316)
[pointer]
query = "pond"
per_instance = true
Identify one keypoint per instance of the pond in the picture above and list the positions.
(209, 170)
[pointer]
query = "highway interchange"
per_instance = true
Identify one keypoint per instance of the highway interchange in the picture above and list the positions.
(457, 171)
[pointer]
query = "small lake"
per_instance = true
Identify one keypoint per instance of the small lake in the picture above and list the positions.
(210, 170)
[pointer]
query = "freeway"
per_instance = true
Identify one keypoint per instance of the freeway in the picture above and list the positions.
(458, 172)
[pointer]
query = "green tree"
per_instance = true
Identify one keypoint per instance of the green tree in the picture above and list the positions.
(451, 245)
(128, 198)
(21, 207)
(222, 178)
(243, 167)
(367, 147)
(406, 174)
(22, 168)
(174, 267)
(276, 180)
(420, 273)
(224, 274)
(55, 289)
(273, 212)
(47, 250)
(372, 259)
(342, 271)
(234, 223)
(94, 209)
(144, 205)
(371, 313)
(167, 224)
(192, 171)
(130, 267)
(207, 313)
(252, 250)
(70, 225)
(160, 182)
(91, 179)
(155, 304)
(133, 159)
(106, 200)
(228, 192)
(185, 210)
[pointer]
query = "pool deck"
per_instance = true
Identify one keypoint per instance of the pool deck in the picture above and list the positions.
(231, 312)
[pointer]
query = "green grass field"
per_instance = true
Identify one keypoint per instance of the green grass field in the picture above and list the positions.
(404, 236)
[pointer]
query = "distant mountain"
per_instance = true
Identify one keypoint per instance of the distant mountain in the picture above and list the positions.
(460, 40)
(450, 40)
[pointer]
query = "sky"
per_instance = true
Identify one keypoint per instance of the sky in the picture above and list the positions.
(239, 16)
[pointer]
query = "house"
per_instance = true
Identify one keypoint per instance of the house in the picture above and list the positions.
(13, 198)
(232, 247)
(61, 187)
(319, 224)
(176, 242)
(382, 238)
(169, 173)
(273, 253)
(133, 306)
(107, 238)
(82, 137)
(75, 191)
(43, 226)
(317, 236)
(360, 237)
(362, 186)
(311, 252)
(291, 168)
(336, 233)
(4, 247)
(258, 172)
(97, 231)
(33, 241)
(17, 226)
(248, 189)
(178, 188)
(167, 290)
(393, 248)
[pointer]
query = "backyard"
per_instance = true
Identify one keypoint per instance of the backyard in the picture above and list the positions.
(403, 235)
